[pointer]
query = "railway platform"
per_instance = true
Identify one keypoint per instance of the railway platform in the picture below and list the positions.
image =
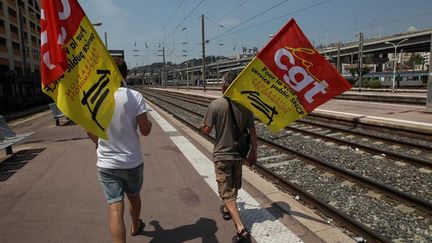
(49, 191)
(400, 116)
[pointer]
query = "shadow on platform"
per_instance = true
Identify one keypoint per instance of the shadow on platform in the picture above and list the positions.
(277, 209)
(204, 228)
(17, 161)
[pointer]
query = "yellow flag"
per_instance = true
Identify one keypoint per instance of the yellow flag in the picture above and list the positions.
(77, 71)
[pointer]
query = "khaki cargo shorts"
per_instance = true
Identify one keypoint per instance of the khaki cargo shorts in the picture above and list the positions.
(228, 177)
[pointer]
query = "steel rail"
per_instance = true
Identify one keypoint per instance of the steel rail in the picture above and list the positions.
(337, 215)
(394, 193)
(374, 150)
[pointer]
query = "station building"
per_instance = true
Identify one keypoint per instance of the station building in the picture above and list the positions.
(20, 54)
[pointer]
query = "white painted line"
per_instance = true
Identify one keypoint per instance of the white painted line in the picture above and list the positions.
(166, 127)
(379, 103)
(264, 226)
(362, 117)
(34, 116)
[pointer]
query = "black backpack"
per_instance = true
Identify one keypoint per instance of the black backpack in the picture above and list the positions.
(243, 140)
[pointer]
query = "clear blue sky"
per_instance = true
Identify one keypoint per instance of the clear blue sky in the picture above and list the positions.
(147, 25)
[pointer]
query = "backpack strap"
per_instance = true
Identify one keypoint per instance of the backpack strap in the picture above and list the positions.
(233, 115)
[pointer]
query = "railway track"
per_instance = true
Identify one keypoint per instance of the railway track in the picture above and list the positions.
(364, 178)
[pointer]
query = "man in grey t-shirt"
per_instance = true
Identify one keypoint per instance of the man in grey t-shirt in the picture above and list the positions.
(226, 157)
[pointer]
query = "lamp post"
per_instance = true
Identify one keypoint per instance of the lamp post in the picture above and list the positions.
(187, 75)
(164, 76)
(395, 61)
(106, 37)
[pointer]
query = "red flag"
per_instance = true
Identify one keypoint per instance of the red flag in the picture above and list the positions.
(59, 21)
(287, 80)
(294, 60)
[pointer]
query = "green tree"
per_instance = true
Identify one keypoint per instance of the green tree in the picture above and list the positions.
(415, 60)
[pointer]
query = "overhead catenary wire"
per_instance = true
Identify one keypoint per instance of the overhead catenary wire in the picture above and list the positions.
(169, 19)
(230, 12)
(181, 22)
(383, 23)
(276, 18)
(253, 17)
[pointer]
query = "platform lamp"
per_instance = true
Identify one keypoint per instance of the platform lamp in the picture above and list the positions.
(106, 35)
(395, 60)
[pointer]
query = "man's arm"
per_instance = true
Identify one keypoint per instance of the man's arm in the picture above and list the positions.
(252, 157)
(94, 138)
(144, 124)
(206, 129)
(207, 122)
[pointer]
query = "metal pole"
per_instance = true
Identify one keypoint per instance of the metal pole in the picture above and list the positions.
(217, 72)
(360, 61)
(187, 75)
(429, 85)
(106, 40)
(203, 53)
(338, 63)
(395, 61)
(394, 69)
(163, 76)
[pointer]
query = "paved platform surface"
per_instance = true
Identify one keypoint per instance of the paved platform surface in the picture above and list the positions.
(49, 191)
(418, 117)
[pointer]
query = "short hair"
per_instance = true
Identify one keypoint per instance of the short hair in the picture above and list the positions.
(228, 78)
(122, 66)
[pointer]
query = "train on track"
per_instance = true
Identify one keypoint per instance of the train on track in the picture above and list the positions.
(404, 79)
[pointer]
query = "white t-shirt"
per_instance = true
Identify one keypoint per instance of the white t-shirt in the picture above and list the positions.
(122, 150)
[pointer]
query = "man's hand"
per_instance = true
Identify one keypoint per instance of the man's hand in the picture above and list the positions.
(252, 158)
(206, 129)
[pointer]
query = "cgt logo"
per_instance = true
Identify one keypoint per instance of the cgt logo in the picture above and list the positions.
(297, 77)
(60, 40)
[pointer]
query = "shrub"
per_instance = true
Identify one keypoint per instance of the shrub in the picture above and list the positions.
(375, 84)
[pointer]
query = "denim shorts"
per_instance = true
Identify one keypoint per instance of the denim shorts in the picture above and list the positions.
(116, 182)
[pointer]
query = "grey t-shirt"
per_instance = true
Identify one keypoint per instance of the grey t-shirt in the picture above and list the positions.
(219, 115)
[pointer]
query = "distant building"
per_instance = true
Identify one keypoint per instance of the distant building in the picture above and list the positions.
(425, 56)
(117, 53)
(19, 53)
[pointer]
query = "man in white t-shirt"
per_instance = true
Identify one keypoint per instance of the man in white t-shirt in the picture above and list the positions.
(120, 161)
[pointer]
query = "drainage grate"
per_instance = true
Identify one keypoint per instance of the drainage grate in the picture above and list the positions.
(11, 167)
(30, 151)
(17, 161)
(5, 175)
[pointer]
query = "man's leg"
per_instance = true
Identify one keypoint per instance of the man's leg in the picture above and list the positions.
(134, 211)
(235, 215)
(117, 226)
(228, 177)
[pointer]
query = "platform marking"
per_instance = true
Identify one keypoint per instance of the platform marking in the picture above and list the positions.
(166, 126)
(264, 226)
(362, 117)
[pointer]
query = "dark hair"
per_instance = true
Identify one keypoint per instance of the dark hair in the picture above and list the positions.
(227, 78)
(122, 66)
